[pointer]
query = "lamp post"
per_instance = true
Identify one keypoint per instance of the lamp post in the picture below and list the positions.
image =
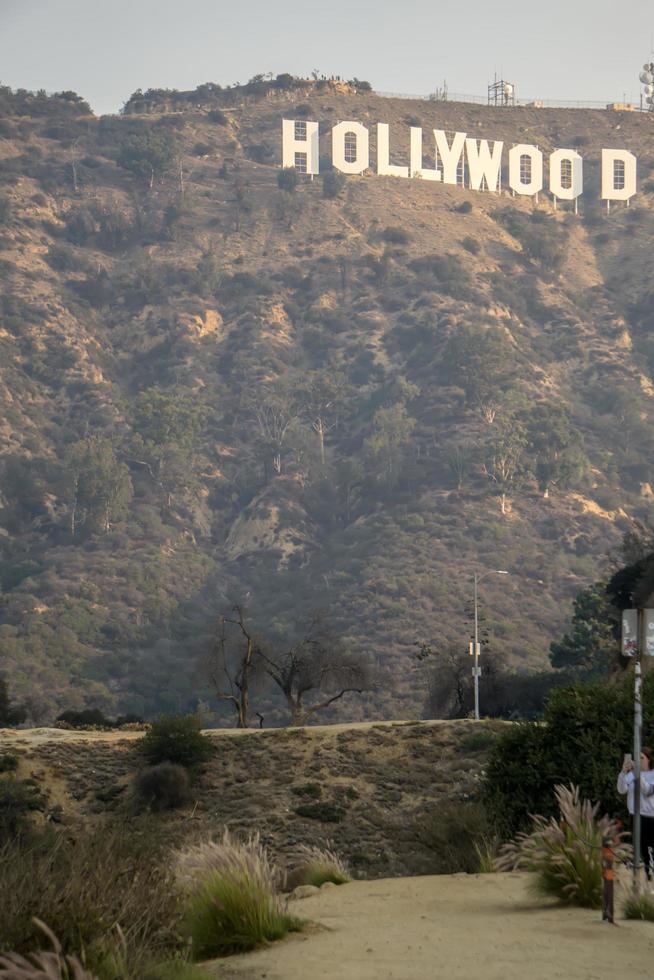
(476, 670)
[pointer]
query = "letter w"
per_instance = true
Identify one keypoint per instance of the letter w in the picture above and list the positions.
(484, 164)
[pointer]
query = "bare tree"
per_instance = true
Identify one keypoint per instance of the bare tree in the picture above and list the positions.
(274, 414)
(232, 663)
(317, 666)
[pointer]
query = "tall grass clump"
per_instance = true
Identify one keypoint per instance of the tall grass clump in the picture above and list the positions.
(315, 866)
(50, 965)
(450, 836)
(565, 854)
(639, 907)
(232, 901)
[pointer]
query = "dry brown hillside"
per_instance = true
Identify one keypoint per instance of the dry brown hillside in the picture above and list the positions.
(164, 356)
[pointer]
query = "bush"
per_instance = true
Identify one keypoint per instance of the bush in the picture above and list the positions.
(315, 866)
(217, 116)
(18, 798)
(8, 762)
(325, 812)
(287, 179)
(5, 209)
(395, 236)
(85, 887)
(333, 183)
(639, 907)
(453, 835)
(10, 714)
(471, 245)
(162, 787)
(233, 903)
(87, 718)
(565, 854)
(178, 739)
(464, 208)
(587, 729)
(313, 790)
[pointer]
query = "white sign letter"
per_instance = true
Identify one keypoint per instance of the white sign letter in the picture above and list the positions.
(384, 167)
(525, 169)
(299, 136)
(618, 175)
(450, 156)
(416, 168)
(350, 148)
(566, 175)
(484, 165)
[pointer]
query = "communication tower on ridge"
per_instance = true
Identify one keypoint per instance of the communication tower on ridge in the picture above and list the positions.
(501, 92)
(647, 78)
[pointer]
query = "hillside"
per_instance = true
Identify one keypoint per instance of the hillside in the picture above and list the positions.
(365, 788)
(214, 390)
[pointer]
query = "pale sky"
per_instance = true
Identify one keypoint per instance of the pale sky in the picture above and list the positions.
(105, 49)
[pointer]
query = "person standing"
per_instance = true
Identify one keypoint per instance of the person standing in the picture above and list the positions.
(626, 783)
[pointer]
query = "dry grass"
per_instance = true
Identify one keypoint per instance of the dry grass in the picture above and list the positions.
(50, 965)
(315, 866)
(565, 854)
(232, 897)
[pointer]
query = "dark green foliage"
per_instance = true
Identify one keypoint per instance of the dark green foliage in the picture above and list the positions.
(324, 812)
(471, 245)
(162, 787)
(177, 739)
(10, 714)
(448, 834)
(149, 156)
(479, 360)
(99, 486)
(587, 729)
(591, 642)
(8, 762)
(447, 273)
(217, 116)
(18, 798)
(464, 208)
(89, 717)
(333, 183)
(312, 790)
(542, 237)
(639, 907)
(288, 179)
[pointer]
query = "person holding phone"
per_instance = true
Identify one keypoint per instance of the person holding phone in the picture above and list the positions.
(626, 782)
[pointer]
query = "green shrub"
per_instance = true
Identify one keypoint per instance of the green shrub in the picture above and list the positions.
(162, 787)
(587, 729)
(8, 762)
(464, 208)
(87, 718)
(452, 835)
(18, 798)
(395, 236)
(333, 183)
(639, 907)
(287, 179)
(471, 245)
(315, 866)
(325, 812)
(232, 898)
(5, 209)
(565, 854)
(178, 739)
(313, 790)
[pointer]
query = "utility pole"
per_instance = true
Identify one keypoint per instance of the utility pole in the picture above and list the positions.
(474, 646)
(638, 727)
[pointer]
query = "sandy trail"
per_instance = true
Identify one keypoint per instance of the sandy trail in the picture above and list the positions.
(458, 927)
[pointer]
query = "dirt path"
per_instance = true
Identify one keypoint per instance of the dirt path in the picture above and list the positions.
(459, 927)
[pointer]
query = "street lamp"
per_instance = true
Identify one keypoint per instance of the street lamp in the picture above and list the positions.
(476, 670)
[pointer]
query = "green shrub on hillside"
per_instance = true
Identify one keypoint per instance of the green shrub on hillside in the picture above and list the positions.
(18, 798)
(162, 787)
(177, 739)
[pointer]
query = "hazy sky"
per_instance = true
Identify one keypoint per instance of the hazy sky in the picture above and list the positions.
(105, 49)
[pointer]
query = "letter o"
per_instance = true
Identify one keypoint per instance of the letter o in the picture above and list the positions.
(360, 144)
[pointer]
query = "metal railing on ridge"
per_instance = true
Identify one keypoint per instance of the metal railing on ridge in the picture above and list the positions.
(520, 103)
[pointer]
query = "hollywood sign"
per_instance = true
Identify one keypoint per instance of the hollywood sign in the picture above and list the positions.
(457, 156)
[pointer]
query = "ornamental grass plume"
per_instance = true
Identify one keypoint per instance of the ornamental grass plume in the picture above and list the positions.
(51, 965)
(315, 866)
(233, 902)
(565, 854)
